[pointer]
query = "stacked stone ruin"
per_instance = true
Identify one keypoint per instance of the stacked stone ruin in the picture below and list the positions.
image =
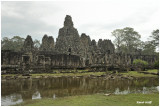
(69, 51)
(47, 43)
(68, 41)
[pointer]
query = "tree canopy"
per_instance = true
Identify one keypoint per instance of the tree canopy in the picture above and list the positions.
(16, 43)
(127, 40)
(155, 38)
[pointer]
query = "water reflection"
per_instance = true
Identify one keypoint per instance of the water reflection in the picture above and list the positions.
(11, 99)
(36, 95)
(117, 91)
(144, 90)
(54, 96)
(22, 90)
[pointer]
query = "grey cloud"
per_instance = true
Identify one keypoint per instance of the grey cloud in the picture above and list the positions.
(29, 14)
(27, 23)
(13, 26)
(136, 19)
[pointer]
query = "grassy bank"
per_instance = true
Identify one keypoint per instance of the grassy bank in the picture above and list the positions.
(152, 71)
(97, 100)
(70, 74)
(85, 73)
(138, 74)
(60, 74)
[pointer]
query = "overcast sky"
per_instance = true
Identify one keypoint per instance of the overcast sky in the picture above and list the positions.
(95, 18)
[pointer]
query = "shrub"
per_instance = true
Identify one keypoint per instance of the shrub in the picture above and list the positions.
(140, 63)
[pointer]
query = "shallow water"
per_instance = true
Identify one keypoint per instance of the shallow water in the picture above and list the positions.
(17, 91)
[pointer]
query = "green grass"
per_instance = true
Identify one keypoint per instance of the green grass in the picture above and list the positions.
(62, 74)
(69, 74)
(79, 73)
(8, 75)
(137, 74)
(152, 71)
(97, 100)
(71, 71)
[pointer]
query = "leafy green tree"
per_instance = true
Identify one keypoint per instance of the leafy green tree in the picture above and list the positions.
(118, 38)
(127, 40)
(148, 48)
(15, 43)
(131, 39)
(6, 43)
(155, 37)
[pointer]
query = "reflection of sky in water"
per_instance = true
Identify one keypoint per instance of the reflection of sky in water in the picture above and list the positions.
(36, 95)
(145, 90)
(157, 88)
(11, 99)
(117, 91)
(150, 90)
(54, 96)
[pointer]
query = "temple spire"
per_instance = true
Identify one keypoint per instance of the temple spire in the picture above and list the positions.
(68, 21)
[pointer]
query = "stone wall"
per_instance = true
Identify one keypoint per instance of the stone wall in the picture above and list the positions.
(70, 61)
(65, 61)
(9, 57)
(106, 46)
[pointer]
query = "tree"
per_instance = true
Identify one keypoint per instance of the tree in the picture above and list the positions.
(127, 40)
(36, 44)
(118, 38)
(131, 39)
(15, 43)
(155, 37)
(6, 44)
(148, 48)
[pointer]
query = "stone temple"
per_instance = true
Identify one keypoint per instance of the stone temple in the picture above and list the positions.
(68, 39)
(70, 51)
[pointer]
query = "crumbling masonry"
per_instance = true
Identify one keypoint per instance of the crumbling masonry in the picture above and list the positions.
(69, 51)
